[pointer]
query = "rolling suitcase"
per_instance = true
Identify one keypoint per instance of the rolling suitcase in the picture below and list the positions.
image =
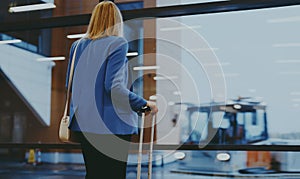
(139, 167)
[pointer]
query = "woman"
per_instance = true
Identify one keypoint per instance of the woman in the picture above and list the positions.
(103, 110)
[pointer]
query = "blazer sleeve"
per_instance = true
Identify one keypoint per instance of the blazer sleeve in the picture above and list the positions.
(116, 82)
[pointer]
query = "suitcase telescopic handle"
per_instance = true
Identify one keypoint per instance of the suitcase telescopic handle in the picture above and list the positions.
(144, 109)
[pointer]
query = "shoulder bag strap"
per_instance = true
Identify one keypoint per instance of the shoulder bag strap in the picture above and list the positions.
(70, 79)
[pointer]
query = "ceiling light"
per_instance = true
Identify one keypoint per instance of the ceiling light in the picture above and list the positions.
(287, 45)
(217, 64)
(205, 49)
(177, 93)
(33, 7)
(171, 103)
(50, 59)
(146, 68)
(296, 100)
(287, 61)
(227, 74)
(10, 41)
(295, 93)
(153, 97)
(131, 54)
(180, 28)
(75, 36)
(201, 1)
(290, 73)
(165, 77)
(252, 90)
(287, 19)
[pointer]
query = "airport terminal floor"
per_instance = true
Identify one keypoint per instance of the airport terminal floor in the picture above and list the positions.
(22, 170)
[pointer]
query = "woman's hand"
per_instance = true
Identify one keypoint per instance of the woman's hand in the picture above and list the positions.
(153, 107)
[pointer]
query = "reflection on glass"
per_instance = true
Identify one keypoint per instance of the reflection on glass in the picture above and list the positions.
(218, 123)
(259, 64)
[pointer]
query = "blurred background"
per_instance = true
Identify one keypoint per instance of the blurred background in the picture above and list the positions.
(223, 73)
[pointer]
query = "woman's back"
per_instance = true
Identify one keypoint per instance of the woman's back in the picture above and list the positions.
(99, 91)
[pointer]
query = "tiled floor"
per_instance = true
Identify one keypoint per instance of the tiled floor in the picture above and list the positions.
(19, 170)
(23, 171)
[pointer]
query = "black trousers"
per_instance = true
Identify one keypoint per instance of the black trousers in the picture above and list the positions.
(105, 156)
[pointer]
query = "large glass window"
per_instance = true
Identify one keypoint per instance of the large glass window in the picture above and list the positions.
(255, 52)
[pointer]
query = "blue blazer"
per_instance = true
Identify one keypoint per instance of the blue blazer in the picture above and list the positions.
(101, 101)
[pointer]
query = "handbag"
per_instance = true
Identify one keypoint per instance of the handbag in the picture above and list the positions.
(64, 132)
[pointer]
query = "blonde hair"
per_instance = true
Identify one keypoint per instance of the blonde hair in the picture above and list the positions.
(106, 20)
